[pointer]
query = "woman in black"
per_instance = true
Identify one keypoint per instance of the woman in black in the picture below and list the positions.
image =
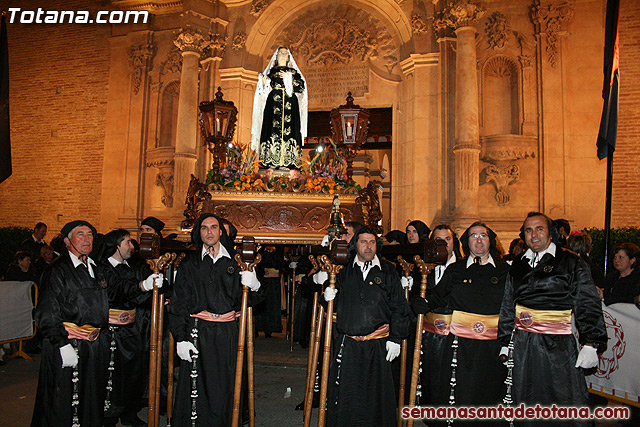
(623, 285)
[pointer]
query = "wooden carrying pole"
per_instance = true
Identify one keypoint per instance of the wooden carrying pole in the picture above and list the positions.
(246, 262)
(333, 270)
(157, 265)
(292, 289)
(406, 269)
(251, 392)
(425, 269)
(314, 349)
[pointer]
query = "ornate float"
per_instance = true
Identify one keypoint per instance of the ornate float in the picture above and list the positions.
(287, 207)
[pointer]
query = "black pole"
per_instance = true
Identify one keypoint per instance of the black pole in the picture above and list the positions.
(607, 209)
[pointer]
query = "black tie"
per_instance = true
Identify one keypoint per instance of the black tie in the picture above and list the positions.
(367, 264)
(534, 261)
(477, 260)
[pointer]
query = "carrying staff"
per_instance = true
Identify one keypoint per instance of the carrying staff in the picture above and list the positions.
(72, 313)
(128, 289)
(203, 316)
(373, 318)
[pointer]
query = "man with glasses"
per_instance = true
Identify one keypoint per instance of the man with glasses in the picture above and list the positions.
(472, 287)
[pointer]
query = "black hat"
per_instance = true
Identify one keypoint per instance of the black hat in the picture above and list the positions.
(154, 223)
(68, 227)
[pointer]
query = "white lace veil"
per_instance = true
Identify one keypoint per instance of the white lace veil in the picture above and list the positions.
(260, 98)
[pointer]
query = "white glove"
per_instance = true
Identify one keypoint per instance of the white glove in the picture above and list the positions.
(393, 350)
(184, 349)
(147, 284)
(69, 356)
(293, 265)
(587, 358)
(407, 282)
(325, 241)
(250, 279)
(504, 354)
(320, 277)
(330, 294)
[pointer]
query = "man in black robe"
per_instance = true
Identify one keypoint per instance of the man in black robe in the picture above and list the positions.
(128, 289)
(473, 288)
(373, 317)
(35, 242)
(71, 314)
(203, 316)
(436, 326)
(546, 286)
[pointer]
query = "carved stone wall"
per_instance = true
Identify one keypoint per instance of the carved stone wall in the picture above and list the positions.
(539, 65)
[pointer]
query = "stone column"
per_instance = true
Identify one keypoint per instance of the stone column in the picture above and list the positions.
(461, 15)
(191, 43)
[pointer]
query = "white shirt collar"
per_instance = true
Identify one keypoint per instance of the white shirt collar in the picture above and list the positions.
(36, 240)
(114, 262)
(551, 249)
(488, 261)
(374, 262)
(442, 267)
(222, 252)
(76, 262)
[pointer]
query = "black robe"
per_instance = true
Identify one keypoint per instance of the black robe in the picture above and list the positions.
(479, 375)
(544, 369)
(127, 341)
(280, 137)
(364, 393)
(202, 285)
(69, 294)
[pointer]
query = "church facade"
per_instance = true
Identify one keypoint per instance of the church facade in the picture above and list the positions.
(495, 105)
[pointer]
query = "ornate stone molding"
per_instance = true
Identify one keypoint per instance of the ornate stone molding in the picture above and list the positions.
(497, 29)
(502, 177)
(164, 179)
(340, 34)
(162, 159)
(258, 6)
(140, 58)
(462, 13)
(551, 19)
(418, 24)
(217, 44)
(507, 148)
(173, 63)
(190, 40)
(239, 40)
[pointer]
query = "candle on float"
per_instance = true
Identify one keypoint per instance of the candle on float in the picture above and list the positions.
(217, 125)
(349, 129)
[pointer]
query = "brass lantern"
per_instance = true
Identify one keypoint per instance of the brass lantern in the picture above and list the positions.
(218, 124)
(349, 128)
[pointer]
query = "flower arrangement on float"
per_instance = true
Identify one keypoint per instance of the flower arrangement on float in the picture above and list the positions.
(322, 173)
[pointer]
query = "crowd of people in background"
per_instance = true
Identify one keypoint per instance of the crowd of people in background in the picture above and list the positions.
(500, 292)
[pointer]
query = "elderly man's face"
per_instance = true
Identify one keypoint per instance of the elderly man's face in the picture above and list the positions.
(479, 242)
(366, 246)
(536, 233)
(81, 241)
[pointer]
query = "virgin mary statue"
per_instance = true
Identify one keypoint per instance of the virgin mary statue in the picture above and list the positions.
(279, 121)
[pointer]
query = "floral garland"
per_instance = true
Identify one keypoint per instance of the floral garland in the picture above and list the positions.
(324, 173)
